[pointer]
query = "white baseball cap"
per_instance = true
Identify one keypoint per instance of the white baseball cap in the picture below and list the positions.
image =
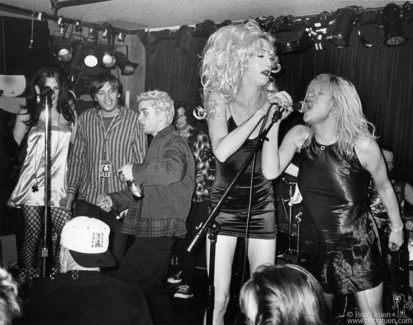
(87, 239)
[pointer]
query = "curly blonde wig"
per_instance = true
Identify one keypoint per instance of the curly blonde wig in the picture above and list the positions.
(226, 55)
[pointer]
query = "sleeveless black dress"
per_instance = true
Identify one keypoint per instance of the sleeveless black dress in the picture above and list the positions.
(234, 211)
(338, 243)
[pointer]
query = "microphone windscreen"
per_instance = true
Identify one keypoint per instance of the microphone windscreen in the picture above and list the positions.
(300, 106)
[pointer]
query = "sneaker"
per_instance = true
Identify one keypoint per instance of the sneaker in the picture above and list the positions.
(177, 278)
(184, 292)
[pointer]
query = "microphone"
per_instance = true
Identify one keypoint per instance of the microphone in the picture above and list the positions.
(300, 106)
(46, 91)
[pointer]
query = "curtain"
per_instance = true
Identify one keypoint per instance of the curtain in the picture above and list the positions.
(175, 70)
(382, 75)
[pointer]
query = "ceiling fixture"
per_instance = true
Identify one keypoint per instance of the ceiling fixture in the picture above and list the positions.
(343, 26)
(393, 25)
(56, 5)
(64, 48)
(91, 58)
(64, 54)
(108, 58)
(125, 66)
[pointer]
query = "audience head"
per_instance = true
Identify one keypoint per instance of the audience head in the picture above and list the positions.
(283, 294)
(156, 111)
(346, 108)
(55, 78)
(183, 116)
(226, 55)
(110, 82)
(9, 301)
(84, 244)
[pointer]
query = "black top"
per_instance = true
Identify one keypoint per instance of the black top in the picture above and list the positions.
(337, 241)
(237, 202)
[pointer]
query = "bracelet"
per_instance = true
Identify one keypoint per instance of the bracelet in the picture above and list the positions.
(397, 229)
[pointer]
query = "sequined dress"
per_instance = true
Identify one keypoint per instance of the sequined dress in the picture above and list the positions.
(338, 243)
(233, 213)
(33, 169)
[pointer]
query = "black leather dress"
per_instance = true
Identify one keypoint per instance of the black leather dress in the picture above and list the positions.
(234, 211)
(338, 242)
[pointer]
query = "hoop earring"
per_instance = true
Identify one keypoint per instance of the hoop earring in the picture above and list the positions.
(276, 68)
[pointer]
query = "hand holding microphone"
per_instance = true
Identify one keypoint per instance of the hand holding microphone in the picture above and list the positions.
(282, 104)
(300, 106)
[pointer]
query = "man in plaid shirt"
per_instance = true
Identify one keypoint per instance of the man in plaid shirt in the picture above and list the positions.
(167, 177)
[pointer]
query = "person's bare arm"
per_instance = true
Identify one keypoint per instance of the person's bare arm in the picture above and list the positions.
(225, 143)
(372, 160)
(276, 159)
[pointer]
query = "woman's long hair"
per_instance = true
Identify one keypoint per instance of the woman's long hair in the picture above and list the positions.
(226, 56)
(34, 108)
(352, 125)
(285, 294)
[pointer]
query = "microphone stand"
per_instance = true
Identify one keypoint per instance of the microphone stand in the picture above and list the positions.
(213, 227)
(47, 176)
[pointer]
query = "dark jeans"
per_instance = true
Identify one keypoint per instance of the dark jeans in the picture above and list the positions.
(117, 240)
(146, 265)
(187, 261)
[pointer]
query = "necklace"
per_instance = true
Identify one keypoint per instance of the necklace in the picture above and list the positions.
(35, 187)
(110, 125)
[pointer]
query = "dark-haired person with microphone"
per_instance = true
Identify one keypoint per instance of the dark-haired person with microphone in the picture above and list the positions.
(237, 63)
(338, 153)
(29, 193)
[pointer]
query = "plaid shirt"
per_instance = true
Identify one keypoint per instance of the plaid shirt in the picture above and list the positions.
(167, 176)
(123, 143)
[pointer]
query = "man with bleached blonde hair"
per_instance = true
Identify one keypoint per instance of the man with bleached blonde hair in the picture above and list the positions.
(167, 179)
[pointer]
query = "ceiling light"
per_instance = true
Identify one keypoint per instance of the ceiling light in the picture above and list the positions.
(91, 55)
(342, 28)
(64, 54)
(108, 60)
(126, 67)
(393, 25)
